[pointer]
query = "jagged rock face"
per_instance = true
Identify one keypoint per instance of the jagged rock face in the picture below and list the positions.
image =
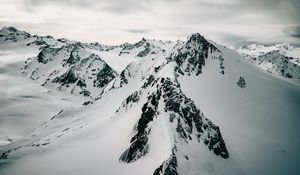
(179, 107)
(186, 123)
(139, 143)
(47, 54)
(144, 52)
(105, 75)
(164, 98)
(124, 76)
(191, 56)
(129, 101)
(73, 58)
(68, 77)
(70, 68)
(168, 167)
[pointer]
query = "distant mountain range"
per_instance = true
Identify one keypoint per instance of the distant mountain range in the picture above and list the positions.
(279, 59)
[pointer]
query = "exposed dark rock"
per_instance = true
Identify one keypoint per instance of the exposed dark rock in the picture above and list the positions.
(47, 53)
(139, 143)
(127, 48)
(194, 54)
(168, 167)
(12, 29)
(57, 114)
(73, 58)
(4, 155)
(85, 93)
(188, 116)
(42, 55)
(277, 62)
(66, 129)
(81, 83)
(123, 77)
(87, 103)
(144, 52)
(133, 98)
(69, 77)
(241, 82)
(150, 79)
(183, 114)
(105, 75)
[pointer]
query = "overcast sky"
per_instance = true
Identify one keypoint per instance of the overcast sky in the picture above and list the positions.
(115, 21)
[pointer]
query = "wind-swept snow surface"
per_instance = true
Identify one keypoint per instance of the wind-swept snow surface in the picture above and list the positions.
(24, 104)
(191, 107)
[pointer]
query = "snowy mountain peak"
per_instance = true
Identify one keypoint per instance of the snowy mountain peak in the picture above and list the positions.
(70, 68)
(143, 40)
(11, 35)
(195, 37)
(192, 55)
(198, 42)
(9, 29)
(185, 123)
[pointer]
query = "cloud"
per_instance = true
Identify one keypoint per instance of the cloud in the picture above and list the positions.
(115, 6)
(229, 21)
(293, 31)
(232, 39)
(137, 30)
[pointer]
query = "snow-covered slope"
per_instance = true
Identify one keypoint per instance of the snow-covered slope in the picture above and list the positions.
(60, 64)
(279, 59)
(24, 105)
(193, 108)
(74, 67)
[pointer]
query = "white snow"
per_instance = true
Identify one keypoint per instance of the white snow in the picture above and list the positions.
(259, 123)
(112, 58)
(24, 105)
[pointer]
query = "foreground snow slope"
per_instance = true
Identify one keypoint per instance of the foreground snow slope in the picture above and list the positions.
(24, 104)
(196, 108)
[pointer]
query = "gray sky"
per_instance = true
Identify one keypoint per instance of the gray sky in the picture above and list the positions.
(115, 21)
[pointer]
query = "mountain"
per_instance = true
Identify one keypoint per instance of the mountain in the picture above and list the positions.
(12, 37)
(186, 107)
(75, 67)
(71, 69)
(279, 59)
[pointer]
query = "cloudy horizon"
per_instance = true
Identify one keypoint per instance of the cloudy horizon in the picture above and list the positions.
(230, 22)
